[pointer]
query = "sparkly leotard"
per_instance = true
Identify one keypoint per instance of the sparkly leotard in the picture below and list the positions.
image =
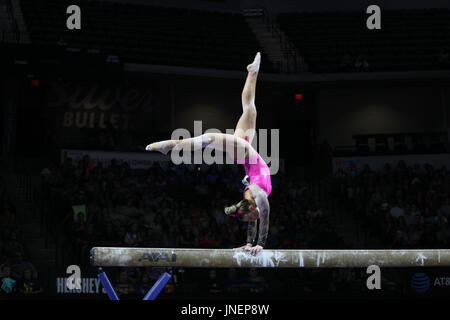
(260, 186)
(258, 172)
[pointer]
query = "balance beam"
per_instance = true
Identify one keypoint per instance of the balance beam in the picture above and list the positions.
(229, 258)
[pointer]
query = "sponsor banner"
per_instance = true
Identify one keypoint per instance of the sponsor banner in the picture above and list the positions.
(354, 165)
(135, 160)
(79, 112)
(98, 105)
(75, 281)
(89, 285)
(427, 282)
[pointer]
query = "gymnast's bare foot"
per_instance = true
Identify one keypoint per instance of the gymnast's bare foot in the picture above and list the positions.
(163, 146)
(254, 66)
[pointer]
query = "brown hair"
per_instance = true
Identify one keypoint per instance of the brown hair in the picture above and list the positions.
(238, 209)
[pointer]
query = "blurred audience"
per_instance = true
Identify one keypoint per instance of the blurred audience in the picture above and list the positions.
(403, 207)
(353, 64)
(159, 207)
(171, 206)
(443, 58)
(360, 63)
(17, 274)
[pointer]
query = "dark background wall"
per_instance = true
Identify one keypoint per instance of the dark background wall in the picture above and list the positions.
(218, 103)
(331, 5)
(163, 103)
(295, 5)
(147, 107)
(344, 111)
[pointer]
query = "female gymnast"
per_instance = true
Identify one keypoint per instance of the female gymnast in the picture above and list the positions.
(255, 204)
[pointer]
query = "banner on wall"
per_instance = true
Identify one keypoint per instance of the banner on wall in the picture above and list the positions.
(94, 113)
(426, 282)
(135, 160)
(97, 106)
(353, 165)
(89, 285)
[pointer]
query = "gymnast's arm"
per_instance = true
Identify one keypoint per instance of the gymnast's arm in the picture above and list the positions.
(263, 227)
(251, 232)
(263, 232)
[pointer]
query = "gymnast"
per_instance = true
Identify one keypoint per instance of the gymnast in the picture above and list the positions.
(255, 204)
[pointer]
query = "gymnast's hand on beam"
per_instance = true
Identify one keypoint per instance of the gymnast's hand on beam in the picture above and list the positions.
(248, 245)
(253, 250)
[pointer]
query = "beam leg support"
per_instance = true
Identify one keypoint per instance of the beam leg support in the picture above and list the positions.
(107, 285)
(157, 287)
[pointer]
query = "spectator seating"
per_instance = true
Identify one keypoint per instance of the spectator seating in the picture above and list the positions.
(172, 207)
(401, 143)
(407, 40)
(404, 207)
(147, 34)
(18, 276)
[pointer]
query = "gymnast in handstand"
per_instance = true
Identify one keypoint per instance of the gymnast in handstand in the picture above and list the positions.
(255, 204)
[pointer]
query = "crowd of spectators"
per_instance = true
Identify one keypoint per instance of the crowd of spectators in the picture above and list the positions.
(404, 207)
(182, 206)
(443, 58)
(357, 63)
(171, 205)
(17, 274)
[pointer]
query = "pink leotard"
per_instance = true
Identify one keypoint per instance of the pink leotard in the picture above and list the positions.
(260, 186)
(258, 172)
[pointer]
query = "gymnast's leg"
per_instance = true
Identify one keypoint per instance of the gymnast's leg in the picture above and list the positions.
(246, 125)
(232, 145)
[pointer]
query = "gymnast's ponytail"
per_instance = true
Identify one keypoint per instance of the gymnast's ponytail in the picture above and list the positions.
(235, 210)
